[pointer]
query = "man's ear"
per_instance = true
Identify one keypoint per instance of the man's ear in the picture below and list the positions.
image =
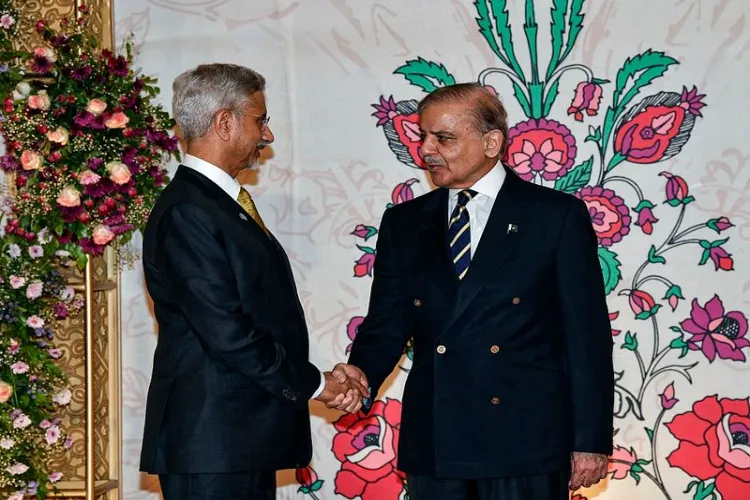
(493, 143)
(223, 123)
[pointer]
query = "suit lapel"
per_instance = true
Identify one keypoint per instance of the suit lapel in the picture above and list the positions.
(498, 241)
(433, 238)
(223, 201)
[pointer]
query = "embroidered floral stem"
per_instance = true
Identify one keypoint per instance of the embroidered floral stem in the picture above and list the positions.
(570, 67)
(648, 475)
(652, 372)
(689, 230)
(487, 72)
(654, 457)
(627, 181)
(668, 244)
(654, 277)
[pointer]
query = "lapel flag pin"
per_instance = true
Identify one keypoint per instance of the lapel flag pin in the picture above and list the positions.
(243, 216)
(512, 228)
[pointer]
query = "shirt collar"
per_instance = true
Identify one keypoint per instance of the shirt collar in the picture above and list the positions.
(226, 182)
(489, 185)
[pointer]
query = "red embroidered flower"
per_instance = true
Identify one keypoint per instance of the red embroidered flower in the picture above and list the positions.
(659, 126)
(609, 214)
(400, 123)
(366, 448)
(714, 444)
(540, 147)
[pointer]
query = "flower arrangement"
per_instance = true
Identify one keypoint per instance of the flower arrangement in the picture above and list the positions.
(33, 295)
(88, 146)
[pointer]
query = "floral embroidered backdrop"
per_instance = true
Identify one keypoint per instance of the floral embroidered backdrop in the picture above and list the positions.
(634, 107)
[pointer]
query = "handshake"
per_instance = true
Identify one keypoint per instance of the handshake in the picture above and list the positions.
(346, 389)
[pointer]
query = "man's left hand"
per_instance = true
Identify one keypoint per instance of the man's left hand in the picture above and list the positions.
(587, 469)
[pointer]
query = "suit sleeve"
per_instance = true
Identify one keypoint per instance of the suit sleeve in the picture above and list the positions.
(201, 278)
(383, 334)
(587, 333)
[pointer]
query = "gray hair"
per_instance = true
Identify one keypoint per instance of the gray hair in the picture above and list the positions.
(198, 94)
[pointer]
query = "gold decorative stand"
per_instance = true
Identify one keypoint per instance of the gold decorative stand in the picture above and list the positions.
(91, 345)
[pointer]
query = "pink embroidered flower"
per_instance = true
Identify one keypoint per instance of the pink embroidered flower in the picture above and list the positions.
(403, 192)
(540, 147)
(609, 214)
(621, 462)
(588, 95)
(667, 397)
(365, 264)
(385, 110)
(715, 332)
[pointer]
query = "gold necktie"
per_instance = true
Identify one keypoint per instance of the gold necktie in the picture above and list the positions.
(248, 205)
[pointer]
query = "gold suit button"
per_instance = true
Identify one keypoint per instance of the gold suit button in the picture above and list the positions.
(495, 349)
(516, 300)
(441, 349)
(495, 401)
(417, 303)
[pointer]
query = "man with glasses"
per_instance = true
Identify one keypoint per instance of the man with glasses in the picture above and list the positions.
(228, 401)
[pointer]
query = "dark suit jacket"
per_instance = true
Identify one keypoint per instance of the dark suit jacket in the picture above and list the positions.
(231, 378)
(512, 366)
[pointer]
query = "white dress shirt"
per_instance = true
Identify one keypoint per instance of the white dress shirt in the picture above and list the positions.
(480, 206)
(230, 186)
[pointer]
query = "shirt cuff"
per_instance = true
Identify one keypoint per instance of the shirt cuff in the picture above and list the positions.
(321, 387)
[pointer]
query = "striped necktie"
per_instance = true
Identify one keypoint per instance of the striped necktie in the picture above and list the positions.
(459, 233)
(247, 203)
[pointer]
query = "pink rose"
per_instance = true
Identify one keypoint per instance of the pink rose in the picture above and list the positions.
(96, 106)
(46, 53)
(119, 173)
(31, 160)
(60, 136)
(87, 178)
(39, 101)
(69, 197)
(117, 120)
(6, 391)
(102, 235)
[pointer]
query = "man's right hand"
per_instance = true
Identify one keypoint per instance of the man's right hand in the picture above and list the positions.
(342, 392)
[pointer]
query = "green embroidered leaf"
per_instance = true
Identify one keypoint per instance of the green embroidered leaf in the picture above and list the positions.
(316, 485)
(650, 434)
(520, 95)
(502, 24)
(426, 75)
(486, 29)
(610, 268)
(644, 204)
(577, 178)
(551, 97)
(644, 68)
(654, 258)
(366, 249)
(631, 342)
(575, 24)
(557, 30)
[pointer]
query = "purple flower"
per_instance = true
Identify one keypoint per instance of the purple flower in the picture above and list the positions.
(40, 64)
(118, 66)
(609, 214)
(364, 232)
(667, 397)
(716, 332)
(61, 311)
(9, 163)
(81, 74)
(720, 224)
(351, 329)
(385, 111)
(691, 101)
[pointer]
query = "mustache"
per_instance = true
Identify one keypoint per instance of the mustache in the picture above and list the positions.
(434, 160)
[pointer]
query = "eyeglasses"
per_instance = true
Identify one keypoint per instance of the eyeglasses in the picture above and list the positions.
(264, 119)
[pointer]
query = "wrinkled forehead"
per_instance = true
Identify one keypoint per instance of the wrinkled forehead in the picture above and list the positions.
(454, 117)
(257, 103)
